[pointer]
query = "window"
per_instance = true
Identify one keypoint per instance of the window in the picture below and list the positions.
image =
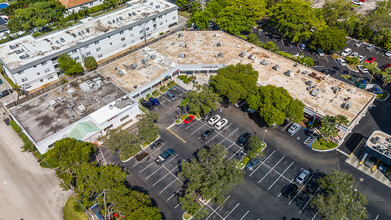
(50, 77)
(85, 47)
(131, 35)
(121, 32)
(88, 53)
(98, 49)
(125, 117)
(47, 70)
(123, 45)
(76, 58)
(96, 42)
(25, 79)
(44, 63)
(141, 37)
(141, 31)
(173, 18)
(147, 29)
(38, 73)
(122, 39)
(130, 29)
(108, 127)
(100, 55)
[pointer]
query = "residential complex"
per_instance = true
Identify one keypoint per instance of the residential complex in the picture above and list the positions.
(32, 62)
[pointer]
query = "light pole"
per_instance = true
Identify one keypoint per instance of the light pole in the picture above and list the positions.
(359, 181)
(264, 134)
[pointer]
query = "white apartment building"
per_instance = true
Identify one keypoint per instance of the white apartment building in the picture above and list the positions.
(32, 62)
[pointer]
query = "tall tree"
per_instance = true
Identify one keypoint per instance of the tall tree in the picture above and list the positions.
(147, 128)
(340, 199)
(254, 146)
(334, 10)
(296, 19)
(330, 38)
(201, 102)
(327, 129)
(341, 120)
(118, 140)
(235, 81)
(69, 65)
(90, 63)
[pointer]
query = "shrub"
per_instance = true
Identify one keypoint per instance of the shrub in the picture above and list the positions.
(162, 88)
(90, 63)
(15, 126)
(141, 156)
(155, 92)
(64, 81)
(327, 143)
(182, 77)
(96, 8)
(28, 146)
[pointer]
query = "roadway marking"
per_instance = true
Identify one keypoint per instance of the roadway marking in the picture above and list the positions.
(344, 153)
(212, 138)
(146, 167)
(326, 58)
(177, 136)
(161, 179)
(377, 217)
(287, 126)
(5, 197)
(280, 176)
(174, 193)
(162, 166)
(232, 210)
(261, 163)
(168, 186)
(229, 135)
(316, 215)
(198, 129)
(244, 215)
(312, 196)
(189, 126)
(356, 147)
(214, 211)
(178, 205)
(153, 173)
(272, 169)
(301, 190)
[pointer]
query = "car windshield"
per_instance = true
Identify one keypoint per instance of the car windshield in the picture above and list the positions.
(188, 118)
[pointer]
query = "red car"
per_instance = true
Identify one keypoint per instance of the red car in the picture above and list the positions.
(386, 66)
(188, 119)
(370, 60)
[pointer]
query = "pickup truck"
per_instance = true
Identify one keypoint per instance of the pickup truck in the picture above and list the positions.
(164, 156)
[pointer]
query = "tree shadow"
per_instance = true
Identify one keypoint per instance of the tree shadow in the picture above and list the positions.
(353, 141)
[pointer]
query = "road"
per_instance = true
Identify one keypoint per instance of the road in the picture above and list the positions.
(26, 190)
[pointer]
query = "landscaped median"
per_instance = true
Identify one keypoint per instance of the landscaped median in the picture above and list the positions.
(254, 148)
(383, 97)
(322, 144)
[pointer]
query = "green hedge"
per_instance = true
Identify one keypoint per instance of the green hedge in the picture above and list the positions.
(182, 77)
(96, 9)
(15, 126)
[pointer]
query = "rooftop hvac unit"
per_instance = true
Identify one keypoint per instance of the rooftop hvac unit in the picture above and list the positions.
(347, 105)
(81, 109)
(263, 62)
(181, 34)
(251, 57)
(90, 100)
(182, 55)
(374, 140)
(133, 66)
(242, 54)
(88, 30)
(219, 44)
(153, 56)
(72, 117)
(74, 35)
(220, 54)
(97, 79)
(276, 67)
(144, 61)
(62, 39)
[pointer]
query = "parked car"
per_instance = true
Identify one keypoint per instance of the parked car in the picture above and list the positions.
(206, 116)
(302, 177)
(164, 156)
(289, 190)
(219, 125)
(1, 81)
(4, 93)
(346, 52)
(252, 164)
(286, 42)
(369, 47)
(295, 54)
(370, 60)
(154, 101)
(357, 44)
(386, 66)
(243, 138)
(361, 57)
(170, 96)
(206, 134)
(214, 119)
(341, 61)
(156, 144)
(302, 46)
(293, 128)
(189, 119)
(387, 53)
(362, 69)
(311, 51)
(370, 161)
(357, 2)
(320, 52)
(354, 54)
(147, 104)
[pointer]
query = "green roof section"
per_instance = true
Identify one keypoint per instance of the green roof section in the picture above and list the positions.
(81, 129)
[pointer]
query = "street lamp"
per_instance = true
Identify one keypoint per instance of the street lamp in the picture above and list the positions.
(359, 181)
(264, 134)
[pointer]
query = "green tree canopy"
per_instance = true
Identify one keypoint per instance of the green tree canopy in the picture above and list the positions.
(333, 10)
(340, 199)
(330, 38)
(118, 140)
(70, 66)
(296, 19)
(208, 176)
(147, 128)
(275, 104)
(201, 102)
(254, 146)
(201, 19)
(235, 81)
(90, 63)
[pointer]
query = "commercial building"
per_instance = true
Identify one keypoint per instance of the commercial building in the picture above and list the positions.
(82, 109)
(378, 152)
(32, 62)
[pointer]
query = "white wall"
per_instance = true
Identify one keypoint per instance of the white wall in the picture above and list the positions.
(133, 111)
(87, 5)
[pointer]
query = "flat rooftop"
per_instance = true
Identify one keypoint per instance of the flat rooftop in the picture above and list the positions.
(200, 47)
(87, 29)
(53, 111)
(380, 142)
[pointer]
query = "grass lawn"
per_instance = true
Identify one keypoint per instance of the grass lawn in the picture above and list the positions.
(323, 144)
(382, 96)
(243, 162)
(184, 14)
(316, 145)
(69, 213)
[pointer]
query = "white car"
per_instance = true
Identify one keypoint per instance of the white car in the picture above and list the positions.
(302, 177)
(369, 47)
(357, 2)
(361, 57)
(341, 61)
(320, 52)
(362, 69)
(354, 54)
(293, 128)
(219, 125)
(214, 119)
(387, 54)
(346, 52)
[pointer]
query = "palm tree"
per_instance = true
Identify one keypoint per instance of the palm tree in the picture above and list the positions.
(341, 120)
(328, 126)
(386, 77)
(352, 61)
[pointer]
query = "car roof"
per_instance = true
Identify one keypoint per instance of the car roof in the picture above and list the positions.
(170, 151)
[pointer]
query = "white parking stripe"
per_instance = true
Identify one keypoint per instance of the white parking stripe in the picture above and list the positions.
(189, 126)
(212, 138)
(198, 129)
(231, 210)
(166, 98)
(163, 166)
(229, 135)
(161, 179)
(280, 175)
(168, 186)
(315, 216)
(377, 217)
(272, 169)
(262, 163)
(146, 167)
(178, 205)
(174, 194)
(312, 196)
(154, 172)
(301, 190)
(244, 215)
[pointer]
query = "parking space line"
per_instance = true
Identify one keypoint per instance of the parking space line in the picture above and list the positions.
(326, 58)
(198, 129)
(161, 167)
(290, 181)
(174, 194)
(287, 126)
(223, 202)
(377, 217)
(262, 163)
(176, 136)
(272, 169)
(153, 173)
(146, 167)
(212, 138)
(165, 98)
(231, 210)
(229, 135)
(178, 205)
(280, 176)
(301, 190)
(161, 179)
(230, 146)
(189, 126)
(244, 215)
(168, 186)
(316, 215)
(312, 196)
(214, 211)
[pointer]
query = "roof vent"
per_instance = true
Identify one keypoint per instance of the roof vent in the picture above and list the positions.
(219, 44)
(181, 34)
(153, 56)
(144, 1)
(220, 54)
(108, 22)
(88, 30)
(144, 61)
(113, 21)
(134, 13)
(111, 107)
(120, 18)
(129, 14)
(90, 100)
(133, 66)
(117, 19)
(157, 6)
(74, 35)
(72, 117)
(79, 34)
(13, 46)
(182, 55)
(62, 39)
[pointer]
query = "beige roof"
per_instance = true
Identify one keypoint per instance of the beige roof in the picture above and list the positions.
(73, 3)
